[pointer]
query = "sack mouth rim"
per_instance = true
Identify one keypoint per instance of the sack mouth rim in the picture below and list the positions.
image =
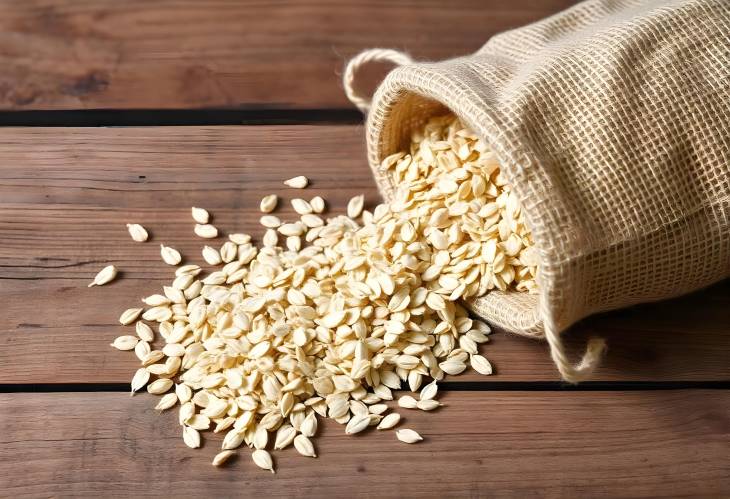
(441, 92)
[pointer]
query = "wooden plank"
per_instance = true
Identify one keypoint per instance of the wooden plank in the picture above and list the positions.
(63, 54)
(482, 444)
(65, 195)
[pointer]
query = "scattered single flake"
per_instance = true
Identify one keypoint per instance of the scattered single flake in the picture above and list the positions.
(429, 391)
(156, 300)
(427, 405)
(301, 206)
(263, 460)
(188, 270)
(200, 215)
(407, 402)
(206, 231)
(481, 364)
(389, 421)
(452, 367)
(357, 423)
(308, 428)
(140, 379)
(270, 221)
(167, 401)
(292, 229)
(378, 408)
(158, 314)
(125, 342)
(304, 446)
(142, 349)
(268, 203)
(137, 232)
(191, 437)
(239, 238)
(169, 255)
(318, 205)
(211, 256)
(408, 436)
(233, 439)
(221, 458)
(105, 275)
(129, 316)
(285, 436)
(299, 182)
(160, 386)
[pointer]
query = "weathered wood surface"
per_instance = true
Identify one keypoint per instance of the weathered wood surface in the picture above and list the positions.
(289, 54)
(66, 194)
(482, 444)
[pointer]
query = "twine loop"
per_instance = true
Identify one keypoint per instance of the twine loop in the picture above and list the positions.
(363, 58)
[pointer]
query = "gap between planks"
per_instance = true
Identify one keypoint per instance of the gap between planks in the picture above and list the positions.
(447, 386)
(178, 117)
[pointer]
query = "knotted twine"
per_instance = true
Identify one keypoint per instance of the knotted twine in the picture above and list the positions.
(611, 121)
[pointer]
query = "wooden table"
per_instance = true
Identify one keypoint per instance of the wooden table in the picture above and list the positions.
(222, 100)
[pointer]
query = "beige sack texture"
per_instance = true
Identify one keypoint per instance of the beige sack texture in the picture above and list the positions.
(612, 123)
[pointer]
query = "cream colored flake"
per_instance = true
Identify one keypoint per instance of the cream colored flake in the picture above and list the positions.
(429, 391)
(318, 204)
(268, 204)
(185, 270)
(355, 206)
(357, 423)
(389, 421)
(167, 401)
(140, 379)
(263, 460)
(285, 436)
(129, 316)
(170, 255)
(200, 215)
(239, 238)
(301, 206)
(191, 437)
(408, 436)
(228, 251)
(427, 405)
(138, 233)
(206, 231)
(270, 221)
(160, 386)
(407, 402)
(292, 229)
(142, 349)
(105, 275)
(312, 221)
(125, 342)
(222, 457)
(299, 182)
(211, 256)
(481, 365)
(304, 446)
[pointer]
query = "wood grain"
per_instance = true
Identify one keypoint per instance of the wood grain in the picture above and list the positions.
(65, 195)
(518, 444)
(64, 54)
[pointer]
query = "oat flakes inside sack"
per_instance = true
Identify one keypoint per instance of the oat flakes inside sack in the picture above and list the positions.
(610, 122)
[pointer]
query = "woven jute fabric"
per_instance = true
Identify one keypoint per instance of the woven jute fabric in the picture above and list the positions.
(612, 124)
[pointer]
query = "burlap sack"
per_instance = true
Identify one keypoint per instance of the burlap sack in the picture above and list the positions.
(612, 123)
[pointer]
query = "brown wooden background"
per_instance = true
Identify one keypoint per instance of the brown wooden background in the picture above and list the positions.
(184, 76)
